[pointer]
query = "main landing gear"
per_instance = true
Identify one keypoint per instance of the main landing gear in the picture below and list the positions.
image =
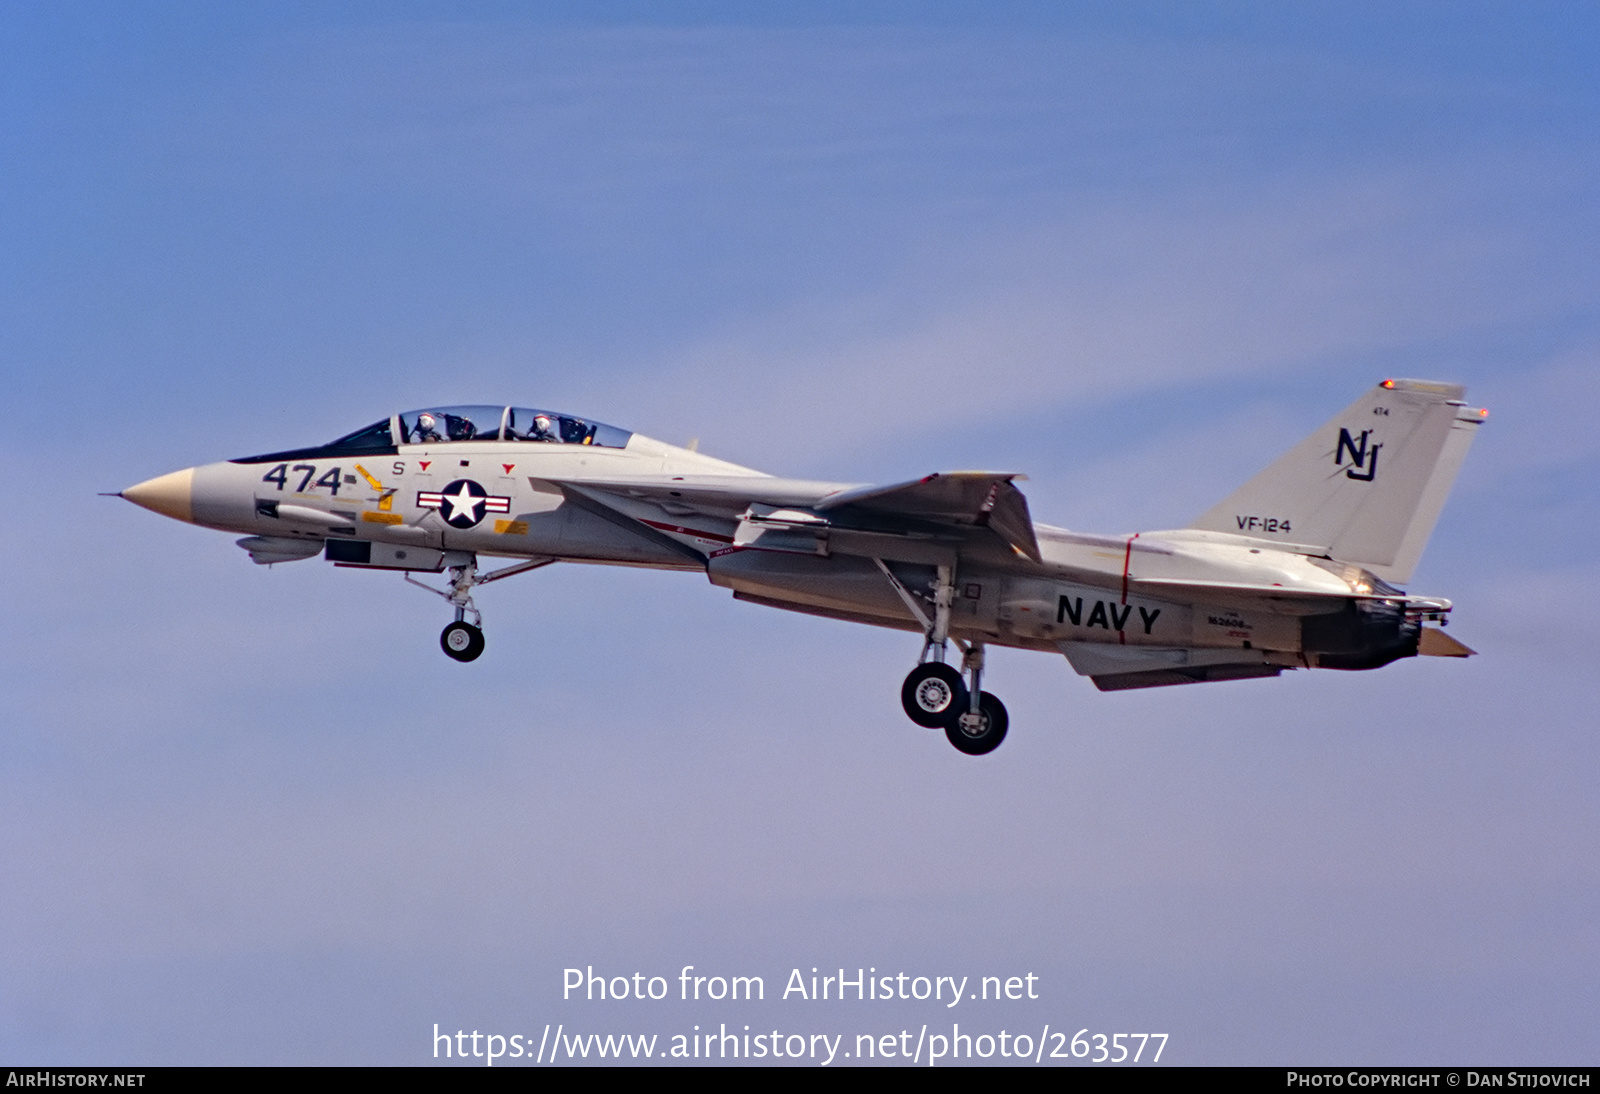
(936, 696)
(462, 640)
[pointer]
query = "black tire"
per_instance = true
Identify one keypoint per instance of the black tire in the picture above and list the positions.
(462, 641)
(933, 694)
(989, 732)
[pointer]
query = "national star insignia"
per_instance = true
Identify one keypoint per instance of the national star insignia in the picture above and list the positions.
(463, 503)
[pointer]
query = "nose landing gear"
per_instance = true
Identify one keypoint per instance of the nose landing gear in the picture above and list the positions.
(461, 640)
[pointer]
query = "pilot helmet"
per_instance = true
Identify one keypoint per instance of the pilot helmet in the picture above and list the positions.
(543, 425)
(426, 423)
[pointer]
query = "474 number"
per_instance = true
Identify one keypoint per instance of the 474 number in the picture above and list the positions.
(280, 475)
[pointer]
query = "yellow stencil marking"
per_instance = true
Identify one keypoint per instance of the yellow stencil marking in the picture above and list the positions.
(386, 502)
(511, 527)
(382, 518)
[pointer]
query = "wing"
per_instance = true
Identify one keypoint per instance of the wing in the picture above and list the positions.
(962, 499)
(739, 509)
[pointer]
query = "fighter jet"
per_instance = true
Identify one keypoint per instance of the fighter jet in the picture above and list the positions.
(1299, 568)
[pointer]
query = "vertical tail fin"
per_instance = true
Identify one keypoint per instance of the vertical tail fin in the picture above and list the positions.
(1368, 486)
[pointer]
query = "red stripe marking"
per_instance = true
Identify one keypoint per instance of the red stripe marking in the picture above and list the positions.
(682, 531)
(1127, 557)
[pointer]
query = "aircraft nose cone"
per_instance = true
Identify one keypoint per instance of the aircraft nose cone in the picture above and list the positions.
(170, 495)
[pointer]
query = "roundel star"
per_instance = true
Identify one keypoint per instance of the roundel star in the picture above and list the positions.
(464, 502)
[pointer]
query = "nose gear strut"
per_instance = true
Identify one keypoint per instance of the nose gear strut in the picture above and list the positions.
(462, 640)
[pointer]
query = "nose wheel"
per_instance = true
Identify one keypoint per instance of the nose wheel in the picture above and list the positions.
(462, 641)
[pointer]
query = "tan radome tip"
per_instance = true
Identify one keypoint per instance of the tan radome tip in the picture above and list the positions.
(170, 495)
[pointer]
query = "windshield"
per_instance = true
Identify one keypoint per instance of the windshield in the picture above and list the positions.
(373, 438)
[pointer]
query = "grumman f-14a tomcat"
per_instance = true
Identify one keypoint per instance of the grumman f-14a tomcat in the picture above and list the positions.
(1299, 568)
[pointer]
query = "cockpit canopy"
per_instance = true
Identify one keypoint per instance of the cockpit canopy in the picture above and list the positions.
(448, 424)
(507, 423)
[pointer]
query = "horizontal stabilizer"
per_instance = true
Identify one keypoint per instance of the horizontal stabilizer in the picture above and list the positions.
(1435, 643)
(1101, 658)
(1115, 667)
(1128, 680)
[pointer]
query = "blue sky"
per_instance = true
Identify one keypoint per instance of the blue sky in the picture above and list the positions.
(255, 816)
